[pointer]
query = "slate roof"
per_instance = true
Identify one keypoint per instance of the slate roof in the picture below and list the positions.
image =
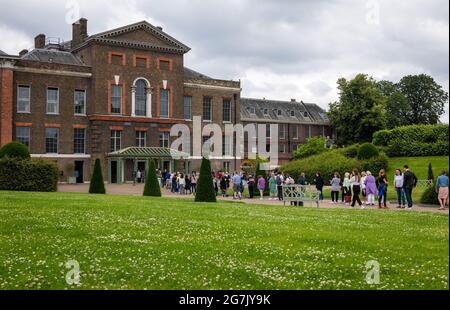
(148, 152)
(2, 53)
(307, 113)
(53, 56)
(191, 74)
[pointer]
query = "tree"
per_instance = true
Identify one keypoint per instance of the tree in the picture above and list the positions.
(15, 150)
(425, 97)
(360, 111)
(205, 186)
(314, 146)
(152, 188)
(97, 185)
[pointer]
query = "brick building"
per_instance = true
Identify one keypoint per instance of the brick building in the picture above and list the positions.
(93, 96)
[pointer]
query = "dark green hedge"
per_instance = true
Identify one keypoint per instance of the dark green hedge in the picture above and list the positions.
(367, 151)
(15, 150)
(430, 196)
(205, 187)
(415, 140)
(328, 163)
(35, 175)
(97, 185)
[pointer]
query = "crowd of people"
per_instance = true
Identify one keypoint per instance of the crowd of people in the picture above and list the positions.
(355, 188)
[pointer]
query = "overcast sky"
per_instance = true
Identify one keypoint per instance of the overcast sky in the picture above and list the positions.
(279, 49)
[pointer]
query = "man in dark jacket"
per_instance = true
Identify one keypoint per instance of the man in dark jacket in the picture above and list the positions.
(409, 182)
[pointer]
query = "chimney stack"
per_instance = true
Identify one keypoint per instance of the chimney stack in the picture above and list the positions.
(293, 100)
(79, 31)
(39, 41)
(160, 28)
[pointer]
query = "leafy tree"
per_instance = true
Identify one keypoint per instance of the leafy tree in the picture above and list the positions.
(425, 97)
(314, 146)
(151, 187)
(15, 150)
(360, 111)
(97, 185)
(205, 186)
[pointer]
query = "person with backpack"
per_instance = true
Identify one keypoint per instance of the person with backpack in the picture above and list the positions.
(409, 183)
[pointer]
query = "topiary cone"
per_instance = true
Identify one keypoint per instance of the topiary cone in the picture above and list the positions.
(151, 187)
(97, 185)
(205, 186)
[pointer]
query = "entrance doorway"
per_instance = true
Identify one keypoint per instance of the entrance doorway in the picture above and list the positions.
(79, 165)
(114, 172)
(166, 166)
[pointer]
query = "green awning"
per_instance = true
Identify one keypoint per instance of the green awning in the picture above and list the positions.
(148, 152)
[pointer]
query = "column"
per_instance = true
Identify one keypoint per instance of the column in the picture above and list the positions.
(133, 101)
(149, 101)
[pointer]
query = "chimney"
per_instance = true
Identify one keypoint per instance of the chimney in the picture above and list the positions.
(39, 41)
(293, 100)
(79, 31)
(23, 52)
(160, 28)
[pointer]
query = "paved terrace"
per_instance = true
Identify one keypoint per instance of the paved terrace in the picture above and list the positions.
(138, 189)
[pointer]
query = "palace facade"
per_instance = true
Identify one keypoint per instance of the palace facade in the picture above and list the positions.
(115, 96)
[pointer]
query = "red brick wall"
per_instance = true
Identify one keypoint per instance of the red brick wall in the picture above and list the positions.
(6, 103)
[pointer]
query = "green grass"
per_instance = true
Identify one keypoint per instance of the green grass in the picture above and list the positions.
(125, 242)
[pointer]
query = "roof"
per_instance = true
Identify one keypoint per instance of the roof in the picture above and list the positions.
(108, 37)
(191, 74)
(148, 152)
(2, 53)
(53, 56)
(254, 109)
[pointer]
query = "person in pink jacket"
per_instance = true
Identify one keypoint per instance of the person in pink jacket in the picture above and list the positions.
(261, 186)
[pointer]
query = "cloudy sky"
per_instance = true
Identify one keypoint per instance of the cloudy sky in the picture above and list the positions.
(279, 49)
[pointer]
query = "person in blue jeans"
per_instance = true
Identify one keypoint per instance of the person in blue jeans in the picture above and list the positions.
(409, 183)
(398, 184)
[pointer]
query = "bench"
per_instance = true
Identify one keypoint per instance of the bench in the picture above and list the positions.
(300, 193)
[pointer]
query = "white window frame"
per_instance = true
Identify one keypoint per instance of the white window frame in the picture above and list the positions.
(29, 135)
(57, 141)
(29, 98)
(210, 109)
(168, 103)
(57, 101)
(190, 108)
(296, 132)
(139, 139)
(74, 101)
(84, 141)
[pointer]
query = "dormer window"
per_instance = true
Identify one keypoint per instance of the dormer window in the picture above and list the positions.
(252, 110)
(279, 112)
(305, 114)
(292, 113)
(266, 112)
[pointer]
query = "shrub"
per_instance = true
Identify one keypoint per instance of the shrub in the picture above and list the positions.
(15, 150)
(367, 151)
(97, 185)
(415, 140)
(205, 186)
(35, 175)
(430, 196)
(430, 172)
(152, 188)
(328, 163)
(350, 151)
(314, 146)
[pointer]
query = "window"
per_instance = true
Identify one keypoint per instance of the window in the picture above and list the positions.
(164, 139)
(309, 131)
(141, 98)
(279, 112)
(294, 147)
(141, 138)
(305, 114)
(292, 113)
(187, 107)
(283, 148)
(266, 112)
(226, 166)
(227, 146)
(227, 110)
(295, 134)
(164, 103)
(23, 135)
(207, 143)
(79, 138)
(116, 99)
(282, 131)
(23, 99)
(252, 110)
(80, 102)
(117, 59)
(164, 65)
(268, 131)
(51, 140)
(52, 100)
(207, 109)
(116, 140)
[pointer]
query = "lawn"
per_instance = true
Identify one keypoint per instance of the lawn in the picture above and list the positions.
(125, 242)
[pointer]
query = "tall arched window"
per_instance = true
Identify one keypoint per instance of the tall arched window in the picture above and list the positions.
(141, 98)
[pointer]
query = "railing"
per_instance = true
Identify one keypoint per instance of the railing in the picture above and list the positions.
(424, 183)
(300, 193)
